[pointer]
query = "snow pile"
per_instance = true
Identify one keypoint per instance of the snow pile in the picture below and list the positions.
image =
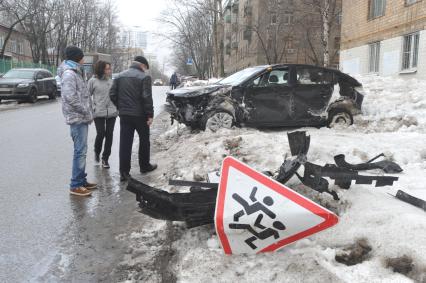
(392, 228)
(392, 104)
(201, 82)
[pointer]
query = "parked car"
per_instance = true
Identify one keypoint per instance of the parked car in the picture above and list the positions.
(269, 96)
(158, 82)
(27, 84)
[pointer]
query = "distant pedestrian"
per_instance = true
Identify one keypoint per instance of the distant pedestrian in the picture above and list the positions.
(104, 110)
(77, 110)
(174, 80)
(131, 92)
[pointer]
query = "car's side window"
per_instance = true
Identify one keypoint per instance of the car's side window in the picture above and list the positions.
(278, 77)
(39, 76)
(314, 76)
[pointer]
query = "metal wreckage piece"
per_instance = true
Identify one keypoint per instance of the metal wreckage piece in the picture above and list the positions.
(197, 207)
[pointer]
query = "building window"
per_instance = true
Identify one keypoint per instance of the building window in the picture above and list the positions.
(374, 58)
(377, 8)
(410, 52)
(274, 19)
(288, 18)
(1, 41)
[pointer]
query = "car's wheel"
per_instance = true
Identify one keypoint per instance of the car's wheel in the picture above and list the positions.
(33, 95)
(218, 119)
(52, 95)
(339, 117)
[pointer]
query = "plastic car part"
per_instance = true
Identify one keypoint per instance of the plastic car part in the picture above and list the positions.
(343, 177)
(299, 146)
(318, 184)
(385, 165)
(405, 197)
(195, 208)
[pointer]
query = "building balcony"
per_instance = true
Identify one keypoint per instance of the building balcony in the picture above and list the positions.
(235, 6)
(248, 11)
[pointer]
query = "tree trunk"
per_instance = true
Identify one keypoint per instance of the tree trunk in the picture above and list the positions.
(326, 32)
(9, 33)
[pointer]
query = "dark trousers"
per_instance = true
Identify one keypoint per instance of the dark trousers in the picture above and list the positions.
(104, 130)
(128, 125)
(173, 86)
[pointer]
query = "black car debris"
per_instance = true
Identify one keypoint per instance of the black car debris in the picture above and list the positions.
(27, 84)
(197, 207)
(269, 96)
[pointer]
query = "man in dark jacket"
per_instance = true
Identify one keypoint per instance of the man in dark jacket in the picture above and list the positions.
(174, 81)
(131, 92)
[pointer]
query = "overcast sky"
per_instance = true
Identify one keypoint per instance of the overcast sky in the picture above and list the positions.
(144, 13)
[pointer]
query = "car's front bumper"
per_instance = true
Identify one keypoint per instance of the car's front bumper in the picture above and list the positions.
(14, 93)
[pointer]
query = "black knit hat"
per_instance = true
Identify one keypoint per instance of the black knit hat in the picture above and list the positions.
(142, 60)
(73, 53)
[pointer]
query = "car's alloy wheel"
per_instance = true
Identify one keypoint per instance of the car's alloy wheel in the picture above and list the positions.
(33, 95)
(219, 120)
(340, 118)
(52, 95)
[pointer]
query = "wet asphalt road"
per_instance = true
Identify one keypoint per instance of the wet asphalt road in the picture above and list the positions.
(46, 234)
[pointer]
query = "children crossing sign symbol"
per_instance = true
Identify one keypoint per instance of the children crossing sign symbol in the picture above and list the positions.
(254, 213)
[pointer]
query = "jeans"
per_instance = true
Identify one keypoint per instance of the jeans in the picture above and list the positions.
(104, 130)
(79, 137)
(128, 125)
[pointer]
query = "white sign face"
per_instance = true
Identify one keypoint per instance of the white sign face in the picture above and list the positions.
(257, 214)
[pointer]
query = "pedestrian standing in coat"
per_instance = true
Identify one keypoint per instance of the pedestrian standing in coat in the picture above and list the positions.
(77, 110)
(174, 80)
(104, 110)
(131, 92)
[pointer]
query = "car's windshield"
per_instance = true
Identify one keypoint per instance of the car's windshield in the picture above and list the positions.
(19, 74)
(239, 77)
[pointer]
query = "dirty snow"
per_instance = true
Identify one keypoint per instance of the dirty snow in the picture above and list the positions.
(394, 122)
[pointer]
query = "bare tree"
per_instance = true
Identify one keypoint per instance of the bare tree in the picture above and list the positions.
(17, 12)
(323, 14)
(275, 29)
(190, 31)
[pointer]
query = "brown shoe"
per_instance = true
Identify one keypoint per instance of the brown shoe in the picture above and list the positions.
(80, 191)
(90, 186)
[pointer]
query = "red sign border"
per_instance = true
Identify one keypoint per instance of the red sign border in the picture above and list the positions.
(330, 219)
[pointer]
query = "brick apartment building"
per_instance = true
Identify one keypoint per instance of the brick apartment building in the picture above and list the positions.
(243, 47)
(384, 37)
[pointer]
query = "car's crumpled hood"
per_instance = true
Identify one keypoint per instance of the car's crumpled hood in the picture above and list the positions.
(11, 81)
(194, 91)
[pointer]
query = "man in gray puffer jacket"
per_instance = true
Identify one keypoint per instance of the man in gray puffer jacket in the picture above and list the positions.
(77, 110)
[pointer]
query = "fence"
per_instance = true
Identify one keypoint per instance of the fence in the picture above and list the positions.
(6, 65)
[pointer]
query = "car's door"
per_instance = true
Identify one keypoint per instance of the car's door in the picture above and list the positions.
(312, 92)
(50, 82)
(267, 98)
(40, 82)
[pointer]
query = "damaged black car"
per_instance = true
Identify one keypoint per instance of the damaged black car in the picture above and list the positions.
(270, 96)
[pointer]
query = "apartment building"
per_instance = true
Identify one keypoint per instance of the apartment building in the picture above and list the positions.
(384, 37)
(278, 31)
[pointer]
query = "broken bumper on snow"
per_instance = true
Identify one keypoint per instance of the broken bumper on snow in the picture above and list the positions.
(197, 207)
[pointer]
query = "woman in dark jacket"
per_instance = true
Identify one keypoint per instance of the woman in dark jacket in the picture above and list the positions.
(105, 112)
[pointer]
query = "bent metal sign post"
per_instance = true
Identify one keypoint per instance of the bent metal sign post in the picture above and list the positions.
(255, 213)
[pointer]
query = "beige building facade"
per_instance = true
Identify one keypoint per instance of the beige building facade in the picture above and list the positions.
(384, 37)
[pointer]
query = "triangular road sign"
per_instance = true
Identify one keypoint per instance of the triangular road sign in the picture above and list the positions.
(255, 213)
